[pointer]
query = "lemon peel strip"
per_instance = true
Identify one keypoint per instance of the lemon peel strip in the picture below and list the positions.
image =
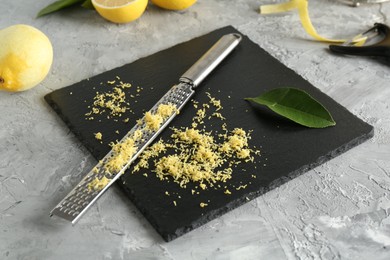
(278, 8)
(303, 11)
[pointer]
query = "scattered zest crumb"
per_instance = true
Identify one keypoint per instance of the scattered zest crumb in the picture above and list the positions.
(192, 154)
(98, 136)
(202, 204)
(241, 187)
(195, 154)
(112, 102)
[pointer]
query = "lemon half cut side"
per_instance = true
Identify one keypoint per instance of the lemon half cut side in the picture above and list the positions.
(120, 11)
(174, 4)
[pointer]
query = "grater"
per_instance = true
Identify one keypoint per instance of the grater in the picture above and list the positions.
(82, 197)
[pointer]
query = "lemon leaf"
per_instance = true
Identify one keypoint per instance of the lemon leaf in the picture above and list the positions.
(88, 4)
(58, 5)
(296, 105)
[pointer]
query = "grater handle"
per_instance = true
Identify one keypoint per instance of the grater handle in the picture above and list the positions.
(202, 68)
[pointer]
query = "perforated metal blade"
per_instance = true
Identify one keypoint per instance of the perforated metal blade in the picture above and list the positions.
(73, 206)
(82, 197)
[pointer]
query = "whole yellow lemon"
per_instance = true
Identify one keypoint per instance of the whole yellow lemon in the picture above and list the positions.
(174, 4)
(26, 55)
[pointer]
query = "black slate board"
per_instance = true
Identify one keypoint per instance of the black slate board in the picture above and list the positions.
(288, 150)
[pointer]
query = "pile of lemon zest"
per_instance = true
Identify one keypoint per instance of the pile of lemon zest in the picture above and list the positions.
(197, 156)
(153, 121)
(137, 135)
(166, 110)
(98, 184)
(122, 153)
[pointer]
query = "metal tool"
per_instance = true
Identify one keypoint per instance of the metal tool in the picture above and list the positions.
(82, 197)
(373, 42)
(357, 3)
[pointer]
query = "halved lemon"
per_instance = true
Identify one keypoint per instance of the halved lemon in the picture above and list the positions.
(120, 11)
(174, 4)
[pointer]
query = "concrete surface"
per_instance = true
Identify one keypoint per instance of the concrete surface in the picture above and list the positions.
(340, 210)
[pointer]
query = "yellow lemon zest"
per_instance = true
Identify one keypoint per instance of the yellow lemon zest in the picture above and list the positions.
(98, 184)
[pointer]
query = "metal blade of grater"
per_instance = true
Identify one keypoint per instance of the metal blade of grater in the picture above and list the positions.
(82, 197)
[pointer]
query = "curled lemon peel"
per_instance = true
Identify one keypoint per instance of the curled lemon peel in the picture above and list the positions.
(303, 11)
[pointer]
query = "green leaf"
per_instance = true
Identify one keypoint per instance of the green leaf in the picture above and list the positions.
(58, 5)
(296, 105)
(88, 4)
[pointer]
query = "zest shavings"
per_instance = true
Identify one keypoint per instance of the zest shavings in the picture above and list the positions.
(113, 102)
(98, 184)
(154, 121)
(195, 155)
(123, 151)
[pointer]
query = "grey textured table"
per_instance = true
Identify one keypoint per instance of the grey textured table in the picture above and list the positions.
(340, 210)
